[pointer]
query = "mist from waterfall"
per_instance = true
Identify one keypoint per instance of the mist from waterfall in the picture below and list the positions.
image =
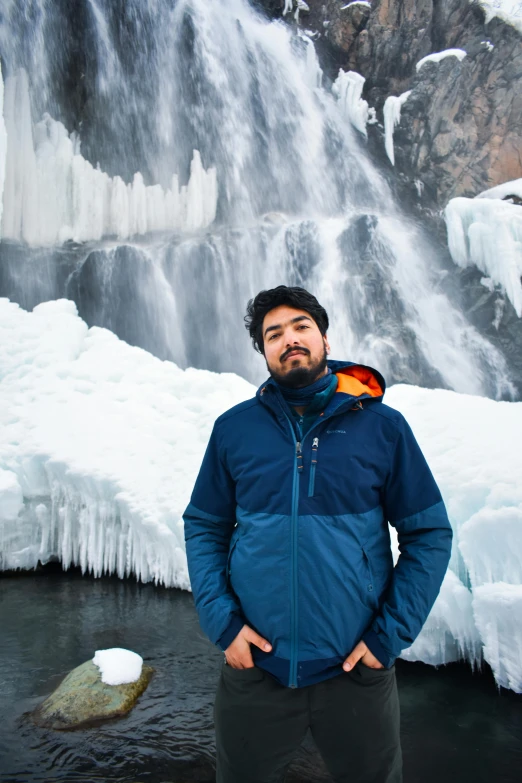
(141, 85)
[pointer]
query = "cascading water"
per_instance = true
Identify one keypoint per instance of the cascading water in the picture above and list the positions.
(279, 190)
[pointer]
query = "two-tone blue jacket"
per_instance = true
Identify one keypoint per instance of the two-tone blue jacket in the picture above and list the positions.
(289, 534)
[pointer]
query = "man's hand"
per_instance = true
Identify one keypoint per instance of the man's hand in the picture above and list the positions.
(361, 653)
(239, 655)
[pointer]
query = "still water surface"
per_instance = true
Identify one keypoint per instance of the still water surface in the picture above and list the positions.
(456, 725)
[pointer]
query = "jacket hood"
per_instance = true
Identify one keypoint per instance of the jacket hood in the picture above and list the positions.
(354, 380)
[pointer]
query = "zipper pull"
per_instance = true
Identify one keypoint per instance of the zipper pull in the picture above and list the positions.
(315, 443)
(299, 456)
(315, 446)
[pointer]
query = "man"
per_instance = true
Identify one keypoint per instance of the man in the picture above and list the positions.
(289, 556)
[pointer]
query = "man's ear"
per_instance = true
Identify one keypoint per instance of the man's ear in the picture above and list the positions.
(326, 344)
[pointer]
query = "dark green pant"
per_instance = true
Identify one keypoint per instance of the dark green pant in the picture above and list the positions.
(354, 720)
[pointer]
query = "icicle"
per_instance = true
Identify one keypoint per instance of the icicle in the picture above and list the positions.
(392, 117)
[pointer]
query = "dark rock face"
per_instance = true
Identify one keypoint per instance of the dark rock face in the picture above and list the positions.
(461, 129)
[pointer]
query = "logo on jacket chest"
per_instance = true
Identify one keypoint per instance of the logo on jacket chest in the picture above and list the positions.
(336, 432)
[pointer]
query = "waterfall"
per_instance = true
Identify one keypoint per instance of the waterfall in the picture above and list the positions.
(110, 107)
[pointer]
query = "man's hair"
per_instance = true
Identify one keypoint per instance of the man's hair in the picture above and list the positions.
(292, 296)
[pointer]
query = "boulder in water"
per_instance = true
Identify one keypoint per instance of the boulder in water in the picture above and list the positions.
(83, 699)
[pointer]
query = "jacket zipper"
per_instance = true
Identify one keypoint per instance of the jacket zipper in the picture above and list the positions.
(294, 621)
(311, 483)
(294, 582)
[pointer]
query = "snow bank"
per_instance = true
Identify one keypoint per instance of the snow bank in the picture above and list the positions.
(392, 117)
(118, 666)
(53, 194)
(102, 442)
(509, 11)
(348, 89)
(487, 232)
(436, 57)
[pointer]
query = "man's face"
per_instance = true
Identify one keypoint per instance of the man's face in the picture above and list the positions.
(295, 350)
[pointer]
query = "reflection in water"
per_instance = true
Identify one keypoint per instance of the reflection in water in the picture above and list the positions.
(456, 726)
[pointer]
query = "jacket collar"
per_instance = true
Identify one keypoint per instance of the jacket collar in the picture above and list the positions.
(356, 382)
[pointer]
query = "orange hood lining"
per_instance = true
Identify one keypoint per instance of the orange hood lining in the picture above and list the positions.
(357, 381)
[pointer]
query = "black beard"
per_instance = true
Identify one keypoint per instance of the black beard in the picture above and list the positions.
(300, 376)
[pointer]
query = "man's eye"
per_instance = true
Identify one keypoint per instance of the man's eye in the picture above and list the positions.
(303, 326)
(272, 336)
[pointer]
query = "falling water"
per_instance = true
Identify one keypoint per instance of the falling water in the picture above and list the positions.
(130, 94)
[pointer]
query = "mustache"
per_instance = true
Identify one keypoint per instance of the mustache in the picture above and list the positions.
(291, 350)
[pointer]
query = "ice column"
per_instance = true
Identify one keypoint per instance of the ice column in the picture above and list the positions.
(348, 89)
(392, 117)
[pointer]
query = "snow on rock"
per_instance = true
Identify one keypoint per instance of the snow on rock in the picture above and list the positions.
(105, 441)
(392, 117)
(356, 2)
(505, 190)
(348, 89)
(471, 446)
(52, 194)
(118, 666)
(509, 11)
(436, 57)
(487, 232)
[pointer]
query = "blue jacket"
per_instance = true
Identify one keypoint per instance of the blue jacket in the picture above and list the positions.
(290, 535)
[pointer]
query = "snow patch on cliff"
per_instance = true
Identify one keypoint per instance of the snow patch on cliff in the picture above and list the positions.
(509, 11)
(436, 57)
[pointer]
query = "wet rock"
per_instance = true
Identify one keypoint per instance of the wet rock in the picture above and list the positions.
(83, 699)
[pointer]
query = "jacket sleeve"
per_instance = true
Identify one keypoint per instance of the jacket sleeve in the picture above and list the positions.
(209, 520)
(413, 505)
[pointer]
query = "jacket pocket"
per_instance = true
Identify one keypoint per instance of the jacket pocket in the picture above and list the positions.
(313, 465)
(369, 586)
(233, 544)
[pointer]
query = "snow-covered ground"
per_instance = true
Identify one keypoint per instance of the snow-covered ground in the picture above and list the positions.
(100, 443)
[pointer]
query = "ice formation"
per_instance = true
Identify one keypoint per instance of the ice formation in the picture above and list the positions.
(100, 443)
(348, 89)
(509, 11)
(103, 441)
(53, 194)
(487, 232)
(392, 117)
(470, 444)
(436, 57)
(118, 666)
